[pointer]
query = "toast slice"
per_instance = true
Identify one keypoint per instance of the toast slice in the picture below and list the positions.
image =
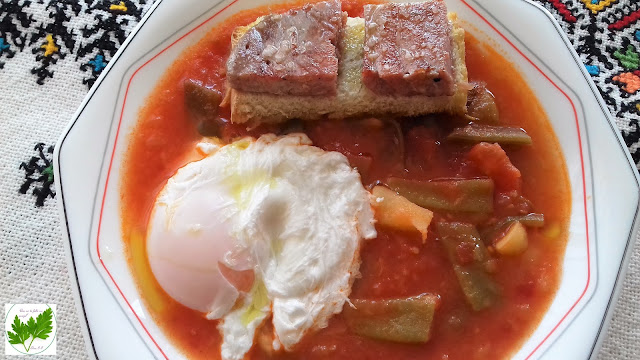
(353, 98)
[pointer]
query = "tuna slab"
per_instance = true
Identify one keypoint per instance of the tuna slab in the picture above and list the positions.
(290, 54)
(407, 49)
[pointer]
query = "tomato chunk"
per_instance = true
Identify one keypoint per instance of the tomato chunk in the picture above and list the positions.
(494, 162)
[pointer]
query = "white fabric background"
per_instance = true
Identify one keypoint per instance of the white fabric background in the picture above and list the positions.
(32, 257)
(33, 266)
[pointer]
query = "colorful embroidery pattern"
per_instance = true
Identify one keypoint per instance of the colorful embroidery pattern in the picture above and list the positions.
(52, 39)
(102, 39)
(606, 35)
(39, 174)
(596, 5)
(14, 22)
(57, 35)
(563, 10)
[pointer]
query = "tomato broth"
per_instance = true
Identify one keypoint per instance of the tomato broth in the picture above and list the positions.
(395, 264)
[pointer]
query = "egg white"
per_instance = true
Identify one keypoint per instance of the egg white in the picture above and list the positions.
(293, 213)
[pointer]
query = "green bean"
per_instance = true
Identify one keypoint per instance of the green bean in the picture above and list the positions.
(529, 220)
(479, 289)
(463, 195)
(406, 320)
(505, 135)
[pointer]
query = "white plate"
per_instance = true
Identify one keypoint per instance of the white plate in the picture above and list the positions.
(604, 181)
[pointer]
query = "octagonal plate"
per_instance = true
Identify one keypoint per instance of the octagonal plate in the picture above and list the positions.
(89, 154)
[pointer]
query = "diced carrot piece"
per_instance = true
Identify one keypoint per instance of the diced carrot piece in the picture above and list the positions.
(494, 162)
(395, 211)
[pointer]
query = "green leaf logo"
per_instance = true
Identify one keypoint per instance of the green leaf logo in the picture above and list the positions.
(24, 334)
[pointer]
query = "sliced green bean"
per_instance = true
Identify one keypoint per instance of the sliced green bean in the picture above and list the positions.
(407, 320)
(505, 135)
(529, 220)
(479, 289)
(464, 195)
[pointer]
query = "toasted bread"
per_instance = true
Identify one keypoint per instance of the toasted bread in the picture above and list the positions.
(353, 98)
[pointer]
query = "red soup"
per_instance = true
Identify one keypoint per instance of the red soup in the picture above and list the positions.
(396, 264)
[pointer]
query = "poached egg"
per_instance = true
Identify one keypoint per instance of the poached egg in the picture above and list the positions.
(261, 227)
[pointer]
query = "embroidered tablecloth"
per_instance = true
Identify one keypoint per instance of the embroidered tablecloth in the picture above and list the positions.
(52, 51)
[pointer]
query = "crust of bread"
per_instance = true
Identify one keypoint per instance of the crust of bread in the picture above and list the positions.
(353, 99)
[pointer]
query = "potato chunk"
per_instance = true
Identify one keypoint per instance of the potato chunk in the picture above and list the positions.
(395, 211)
(514, 241)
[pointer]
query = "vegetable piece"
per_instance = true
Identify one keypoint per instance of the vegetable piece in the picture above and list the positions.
(479, 289)
(494, 162)
(489, 133)
(530, 220)
(470, 195)
(514, 242)
(395, 211)
(407, 320)
(481, 105)
(203, 104)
